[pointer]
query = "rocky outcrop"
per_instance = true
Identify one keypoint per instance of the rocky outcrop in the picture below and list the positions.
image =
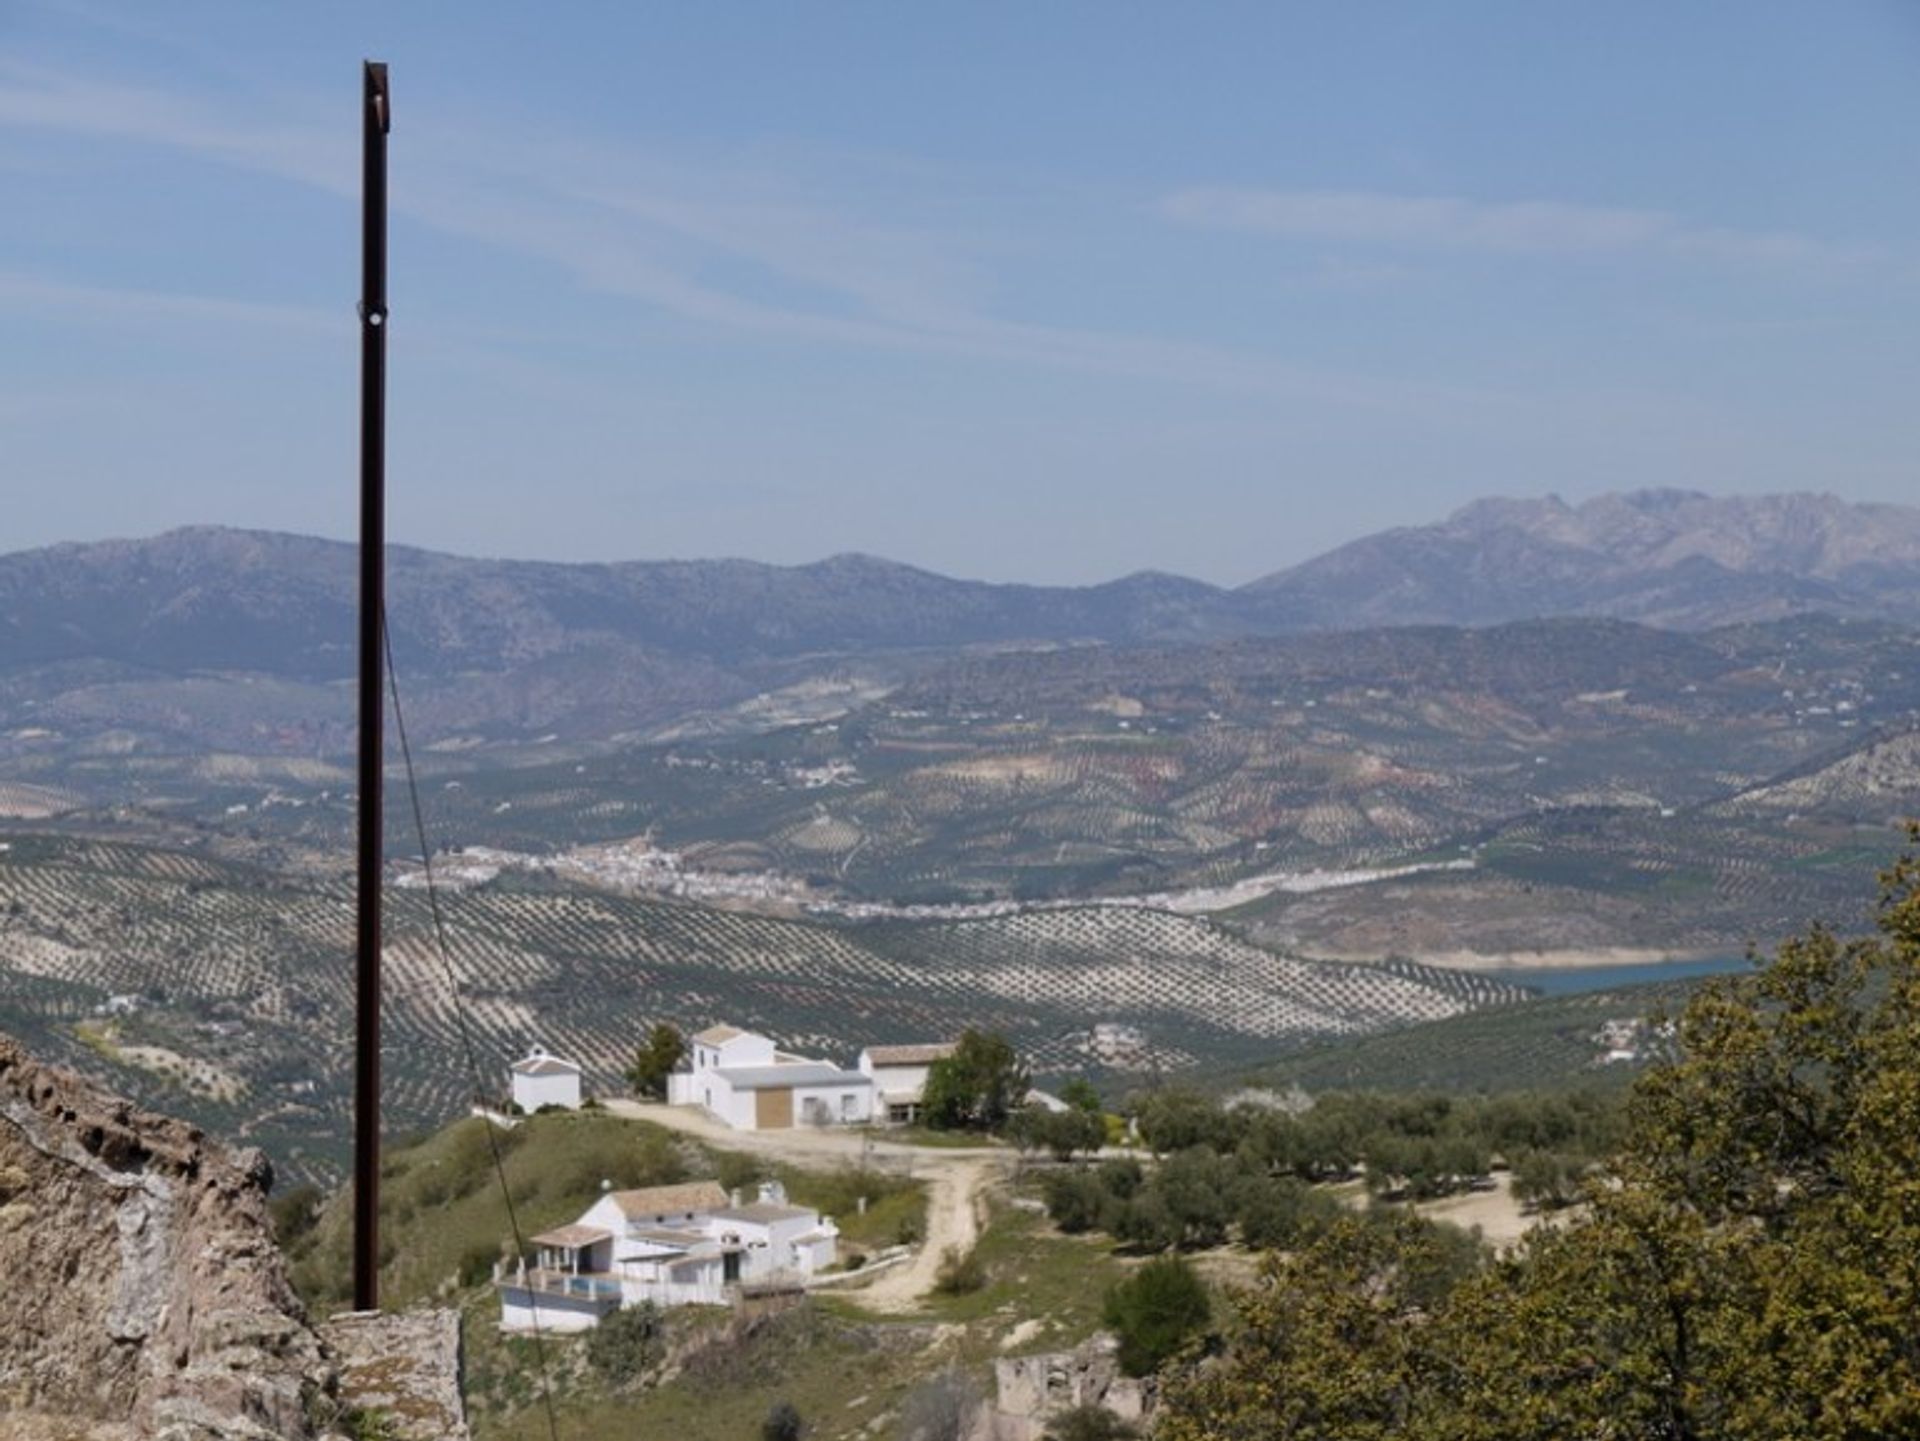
(404, 1368)
(141, 1292)
(1032, 1391)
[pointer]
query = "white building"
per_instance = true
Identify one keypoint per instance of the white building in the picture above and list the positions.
(671, 1245)
(743, 1080)
(899, 1076)
(539, 1079)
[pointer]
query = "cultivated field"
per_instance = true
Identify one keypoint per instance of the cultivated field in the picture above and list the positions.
(243, 974)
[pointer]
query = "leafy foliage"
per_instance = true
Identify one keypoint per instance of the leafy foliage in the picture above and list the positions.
(977, 1087)
(664, 1049)
(1156, 1312)
(1060, 1133)
(783, 1423)
(960, 1272)
(1750, 1267)
(628, 1343)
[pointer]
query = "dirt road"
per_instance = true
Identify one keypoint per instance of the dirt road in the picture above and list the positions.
(957, 1181)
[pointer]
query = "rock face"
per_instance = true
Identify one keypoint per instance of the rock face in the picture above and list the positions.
(143, 1293)
(403, 1367)
(1031, 1391)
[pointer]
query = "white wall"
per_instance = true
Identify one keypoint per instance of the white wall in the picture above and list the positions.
(834, 1098)
(533, 1092)
(522, 1310)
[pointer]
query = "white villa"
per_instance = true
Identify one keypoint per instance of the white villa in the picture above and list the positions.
(743, 1080)
(539, 1079)
(899, 1076)
(671, 1245)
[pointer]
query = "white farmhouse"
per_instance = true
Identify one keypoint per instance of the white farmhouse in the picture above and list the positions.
(539, 1079)
(900, 1077)
(671, 1245)
(743, 1080)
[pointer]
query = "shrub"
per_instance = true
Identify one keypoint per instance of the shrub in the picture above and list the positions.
(960, 1272)
(783, 1423)
(1155, 1312)
(1076, 1200)
(628, 1343)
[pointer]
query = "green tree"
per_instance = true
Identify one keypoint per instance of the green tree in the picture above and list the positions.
(1749, 1266)
(664, 1049)
(1081, 1095)
(1156, 1312)
(976, 1088)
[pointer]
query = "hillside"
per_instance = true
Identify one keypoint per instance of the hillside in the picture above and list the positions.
(1668, 557)
(1541, 1044)
(205, 639)
(225, 990)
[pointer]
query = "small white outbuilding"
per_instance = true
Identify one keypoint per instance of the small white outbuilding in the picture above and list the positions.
(540, 1079)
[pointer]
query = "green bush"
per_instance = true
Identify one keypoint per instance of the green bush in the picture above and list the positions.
(628, 1343)
(960, 1273)
(1156, 1312)
(783, 1423)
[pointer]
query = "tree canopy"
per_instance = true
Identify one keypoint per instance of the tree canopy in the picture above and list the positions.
(976, 1088)
(1748, 1264)
(654, 1061)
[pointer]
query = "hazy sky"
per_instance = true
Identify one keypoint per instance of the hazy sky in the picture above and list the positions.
(1042, 291)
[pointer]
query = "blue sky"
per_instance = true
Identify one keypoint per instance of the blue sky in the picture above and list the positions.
(1049, 292)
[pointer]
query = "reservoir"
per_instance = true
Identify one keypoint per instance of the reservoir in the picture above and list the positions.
(1573, 980)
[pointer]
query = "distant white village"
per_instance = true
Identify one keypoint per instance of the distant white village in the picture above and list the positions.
(696, 1244)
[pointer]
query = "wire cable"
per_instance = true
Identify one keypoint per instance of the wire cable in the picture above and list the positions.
(460, 1018)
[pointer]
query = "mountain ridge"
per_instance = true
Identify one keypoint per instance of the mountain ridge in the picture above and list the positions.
(214, 597)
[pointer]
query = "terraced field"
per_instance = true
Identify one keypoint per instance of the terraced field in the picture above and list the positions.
(165, 968)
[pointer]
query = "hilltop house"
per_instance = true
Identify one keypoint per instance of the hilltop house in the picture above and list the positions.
(899, 1075)
(539, 1079)
(743, 1080)
(671, 1245)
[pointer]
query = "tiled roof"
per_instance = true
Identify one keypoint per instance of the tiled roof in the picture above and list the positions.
(671, 1200)
(572, 1236)
(924, 1055)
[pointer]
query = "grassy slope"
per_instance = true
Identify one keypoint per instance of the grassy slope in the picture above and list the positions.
(444, 1219)
(1534, 1045)
(842, 1369)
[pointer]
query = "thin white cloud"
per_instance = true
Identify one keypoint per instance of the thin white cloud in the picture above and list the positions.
(649, 232)
(1507, 227)
(24, 290)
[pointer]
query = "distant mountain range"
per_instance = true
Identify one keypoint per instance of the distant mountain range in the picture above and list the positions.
(209, 598)
(143, 642)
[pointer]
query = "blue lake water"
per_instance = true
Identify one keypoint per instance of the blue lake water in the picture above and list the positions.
(1574, 980)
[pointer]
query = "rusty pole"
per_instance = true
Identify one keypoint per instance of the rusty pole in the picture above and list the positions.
(373, 549)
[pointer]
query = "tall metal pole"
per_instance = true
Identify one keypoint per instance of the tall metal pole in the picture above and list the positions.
(373, 551)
